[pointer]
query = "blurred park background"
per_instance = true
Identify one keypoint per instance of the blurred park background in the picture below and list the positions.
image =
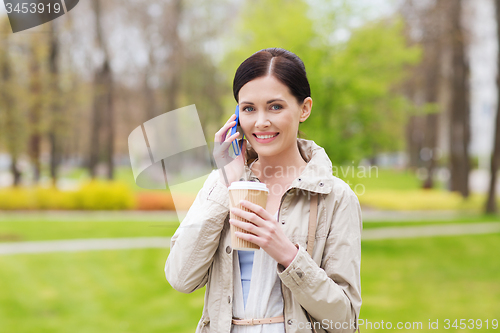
(405, 104)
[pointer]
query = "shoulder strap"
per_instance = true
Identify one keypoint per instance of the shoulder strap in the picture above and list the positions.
(311, 234)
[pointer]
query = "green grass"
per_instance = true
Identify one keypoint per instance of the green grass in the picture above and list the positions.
(375, 178)
(126, 291)
(73, 227)
(50, 226)
(105, 291)
(466, 219)
(431, 278)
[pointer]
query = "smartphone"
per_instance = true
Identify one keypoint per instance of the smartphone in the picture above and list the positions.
(237, 145)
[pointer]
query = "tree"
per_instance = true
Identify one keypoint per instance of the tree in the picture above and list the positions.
(424, 26)
(36, 112)
(56, 115)
(12, 120)
(356, 110)
(459, 163)
(103, 127)
(491, 206)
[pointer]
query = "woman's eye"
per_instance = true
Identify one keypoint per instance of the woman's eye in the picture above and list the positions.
(276, 107)
(247, 108)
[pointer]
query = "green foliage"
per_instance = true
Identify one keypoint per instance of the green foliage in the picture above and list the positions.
(357, 113)
(93, 195)
(356, 110)
(261, 25)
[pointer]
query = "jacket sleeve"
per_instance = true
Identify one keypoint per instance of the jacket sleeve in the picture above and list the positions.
(195, 241)
(332, 293)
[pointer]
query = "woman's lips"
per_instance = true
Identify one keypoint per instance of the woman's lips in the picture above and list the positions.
(265, 140)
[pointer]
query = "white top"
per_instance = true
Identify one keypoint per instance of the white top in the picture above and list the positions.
(264, 298)
(243, 185)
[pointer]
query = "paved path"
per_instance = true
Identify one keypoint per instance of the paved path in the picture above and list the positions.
(164, 242)
(433, 230)
(376, 215)
(72, 245)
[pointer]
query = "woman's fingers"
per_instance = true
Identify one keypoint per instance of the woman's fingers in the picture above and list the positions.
(258, 210)
(247, 226)
(249, 216)
(232, 137)
(221, 134)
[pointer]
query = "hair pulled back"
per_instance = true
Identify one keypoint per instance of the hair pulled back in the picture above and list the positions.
(287, 67)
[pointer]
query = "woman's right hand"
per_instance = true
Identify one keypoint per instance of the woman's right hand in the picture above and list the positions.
(230, 170)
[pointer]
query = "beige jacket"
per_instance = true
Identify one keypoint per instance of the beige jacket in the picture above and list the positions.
(327, 285)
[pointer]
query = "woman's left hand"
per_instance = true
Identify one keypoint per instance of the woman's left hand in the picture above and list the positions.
(268, 233)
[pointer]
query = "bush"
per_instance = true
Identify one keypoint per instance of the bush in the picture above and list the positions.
(163, 201)
(154, 201)
(94, 195)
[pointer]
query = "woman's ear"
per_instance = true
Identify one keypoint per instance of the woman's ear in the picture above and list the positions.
(305, 109)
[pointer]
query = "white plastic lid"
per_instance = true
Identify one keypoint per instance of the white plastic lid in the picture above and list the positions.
(244, 185)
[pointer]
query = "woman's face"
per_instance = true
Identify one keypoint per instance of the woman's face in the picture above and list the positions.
(268, 108)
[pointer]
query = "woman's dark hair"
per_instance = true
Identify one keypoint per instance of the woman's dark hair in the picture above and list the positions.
(280, 63)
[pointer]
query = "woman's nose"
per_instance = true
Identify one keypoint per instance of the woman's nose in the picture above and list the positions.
(262, 120)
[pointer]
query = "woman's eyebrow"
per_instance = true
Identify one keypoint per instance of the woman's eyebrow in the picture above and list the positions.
(268, 102)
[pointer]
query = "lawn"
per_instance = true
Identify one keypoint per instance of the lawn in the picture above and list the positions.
(95, 291)
(431, 278)
(32, 230)
(54, 226)
(15, 226)
(126, 291)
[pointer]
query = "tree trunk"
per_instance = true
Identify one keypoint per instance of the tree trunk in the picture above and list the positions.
(56, 115)
(431, 119)
(102, 115)
(150, 99)
(173, 86)
(491, 206)
(460, 110)
(11, 129)
(35, 114)
(109, 125)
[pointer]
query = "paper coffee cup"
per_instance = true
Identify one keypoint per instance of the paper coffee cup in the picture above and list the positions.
(254, 192)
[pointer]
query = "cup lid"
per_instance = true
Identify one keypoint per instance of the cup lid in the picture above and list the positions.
(245, 185)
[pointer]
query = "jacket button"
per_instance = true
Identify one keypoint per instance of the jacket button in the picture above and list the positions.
(228, 249)
(242, 179)
(289, 322)
(300, 179)
(282, 221)
(229, 299)
(321, 184)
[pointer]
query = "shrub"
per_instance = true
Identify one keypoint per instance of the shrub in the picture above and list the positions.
(102, 195)
(154, 201)
(94, 195)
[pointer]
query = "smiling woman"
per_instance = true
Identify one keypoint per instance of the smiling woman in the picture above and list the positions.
(280, 287)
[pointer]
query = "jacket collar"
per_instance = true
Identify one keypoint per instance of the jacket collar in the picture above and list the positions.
(316, 176)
